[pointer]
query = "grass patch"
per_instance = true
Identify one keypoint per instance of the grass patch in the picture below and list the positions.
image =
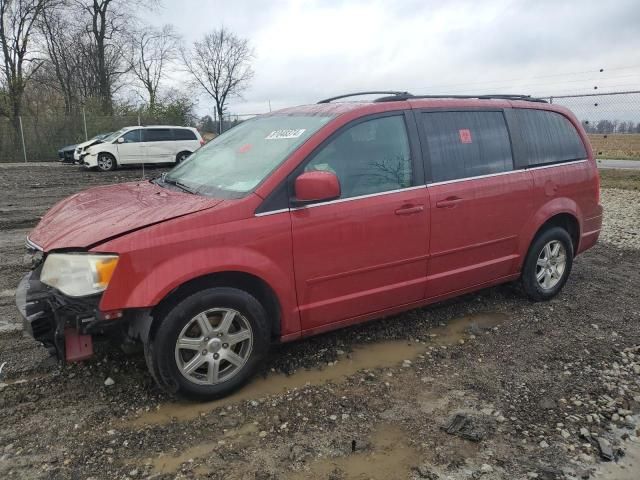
(624, 179)
(619, 146)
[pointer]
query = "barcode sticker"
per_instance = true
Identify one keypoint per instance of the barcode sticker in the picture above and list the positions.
(283, 134)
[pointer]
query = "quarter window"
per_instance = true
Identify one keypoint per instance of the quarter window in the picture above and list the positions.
(183, 134)
(545, 137)
(157, 135)
(466, 144)
(370, 157)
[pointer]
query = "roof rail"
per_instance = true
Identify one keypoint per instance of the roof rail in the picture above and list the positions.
(395, 96)
(374, 92)
(500, 96)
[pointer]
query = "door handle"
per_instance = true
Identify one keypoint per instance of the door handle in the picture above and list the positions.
(409, 209)
(448, 202)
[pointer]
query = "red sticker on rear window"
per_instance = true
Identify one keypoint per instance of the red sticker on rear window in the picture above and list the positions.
(465, 135)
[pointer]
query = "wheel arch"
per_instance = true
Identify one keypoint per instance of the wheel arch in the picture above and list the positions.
(244, 281)
(566, 220)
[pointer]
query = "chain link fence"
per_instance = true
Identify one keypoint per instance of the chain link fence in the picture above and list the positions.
(612, 121)
(38, 138)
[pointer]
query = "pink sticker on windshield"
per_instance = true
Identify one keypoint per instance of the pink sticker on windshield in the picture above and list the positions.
(465, 135)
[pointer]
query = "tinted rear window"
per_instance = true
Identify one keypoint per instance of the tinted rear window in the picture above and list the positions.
(157, 135)
(183, 134)
(466, 144)
(545, 137)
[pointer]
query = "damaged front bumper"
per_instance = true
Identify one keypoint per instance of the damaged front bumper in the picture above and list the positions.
(63, 324)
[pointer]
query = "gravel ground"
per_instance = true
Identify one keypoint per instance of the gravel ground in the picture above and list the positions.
(622, 218)
(486, 386)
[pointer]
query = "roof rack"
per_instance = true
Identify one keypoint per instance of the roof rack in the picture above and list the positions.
(395, 96)
(499, 96)
(374, 92)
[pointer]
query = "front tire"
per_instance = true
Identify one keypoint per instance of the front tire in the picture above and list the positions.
(209, 344)
(106, 162)
(548, 264)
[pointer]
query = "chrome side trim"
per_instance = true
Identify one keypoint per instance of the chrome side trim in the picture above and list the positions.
(341, 200)
(561, 164)
(466, 179)
(31, 245)
(273, 212)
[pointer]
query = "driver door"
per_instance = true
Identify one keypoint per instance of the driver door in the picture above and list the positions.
(367, 250)
(131, 148)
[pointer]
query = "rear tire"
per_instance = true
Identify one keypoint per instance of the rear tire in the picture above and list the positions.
(548, 264)
(106, 162)
(182, 156)
(209, 344)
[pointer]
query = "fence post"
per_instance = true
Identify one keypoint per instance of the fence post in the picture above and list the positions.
(24, 148)
(84, 120)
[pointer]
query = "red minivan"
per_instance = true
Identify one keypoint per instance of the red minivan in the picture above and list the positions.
(310, 219)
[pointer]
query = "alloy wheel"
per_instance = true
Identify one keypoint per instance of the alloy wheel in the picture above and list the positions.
(551, 264)
(105, 162)
(214, 346)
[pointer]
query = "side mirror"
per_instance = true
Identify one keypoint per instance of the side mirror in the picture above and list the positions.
(120, 140)
(316, 186)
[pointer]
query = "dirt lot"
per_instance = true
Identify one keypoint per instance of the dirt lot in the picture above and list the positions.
(489, 386)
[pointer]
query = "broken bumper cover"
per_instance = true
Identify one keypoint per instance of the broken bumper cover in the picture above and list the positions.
(48, 315)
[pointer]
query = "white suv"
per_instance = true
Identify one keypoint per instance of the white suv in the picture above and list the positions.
(135, 145)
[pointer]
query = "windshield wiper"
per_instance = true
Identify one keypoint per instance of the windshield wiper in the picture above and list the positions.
(178, 184)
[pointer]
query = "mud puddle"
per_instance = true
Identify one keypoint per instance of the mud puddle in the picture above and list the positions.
(166, 464)
(368, 356)
(627, 467)
(390, 457)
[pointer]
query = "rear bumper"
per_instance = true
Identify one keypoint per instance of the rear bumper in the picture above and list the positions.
(48, 315)
(590, 231)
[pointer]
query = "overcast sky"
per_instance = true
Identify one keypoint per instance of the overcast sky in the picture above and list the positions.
(308, 50)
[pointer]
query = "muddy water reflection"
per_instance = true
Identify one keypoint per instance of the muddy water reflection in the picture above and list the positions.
(165, 464)
(390, 457)
(369, 356)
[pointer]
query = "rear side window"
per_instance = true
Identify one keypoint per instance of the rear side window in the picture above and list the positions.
(183, 134)
(157, 135)
(542, 137)
(466, 144)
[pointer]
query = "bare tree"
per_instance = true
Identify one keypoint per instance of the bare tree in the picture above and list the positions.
(69, 57)
(107, 25)
(220, 66)
(152, 50)
(17, 23)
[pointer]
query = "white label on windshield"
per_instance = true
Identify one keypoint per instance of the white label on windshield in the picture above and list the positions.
(282, 134)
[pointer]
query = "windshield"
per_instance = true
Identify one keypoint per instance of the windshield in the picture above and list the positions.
(101, 136)
(238, 160)
(114, 135)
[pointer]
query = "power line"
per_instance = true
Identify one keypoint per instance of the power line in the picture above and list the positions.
(501, 81)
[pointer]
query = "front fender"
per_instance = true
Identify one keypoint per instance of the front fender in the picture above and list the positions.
(158, 259)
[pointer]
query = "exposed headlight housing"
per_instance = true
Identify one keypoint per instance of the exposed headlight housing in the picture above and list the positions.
(78, 274)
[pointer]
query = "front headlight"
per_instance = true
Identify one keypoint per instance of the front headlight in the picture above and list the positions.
(78, 274)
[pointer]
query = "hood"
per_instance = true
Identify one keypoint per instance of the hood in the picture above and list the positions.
(89, 143)
(68, 147)
(100, 213)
